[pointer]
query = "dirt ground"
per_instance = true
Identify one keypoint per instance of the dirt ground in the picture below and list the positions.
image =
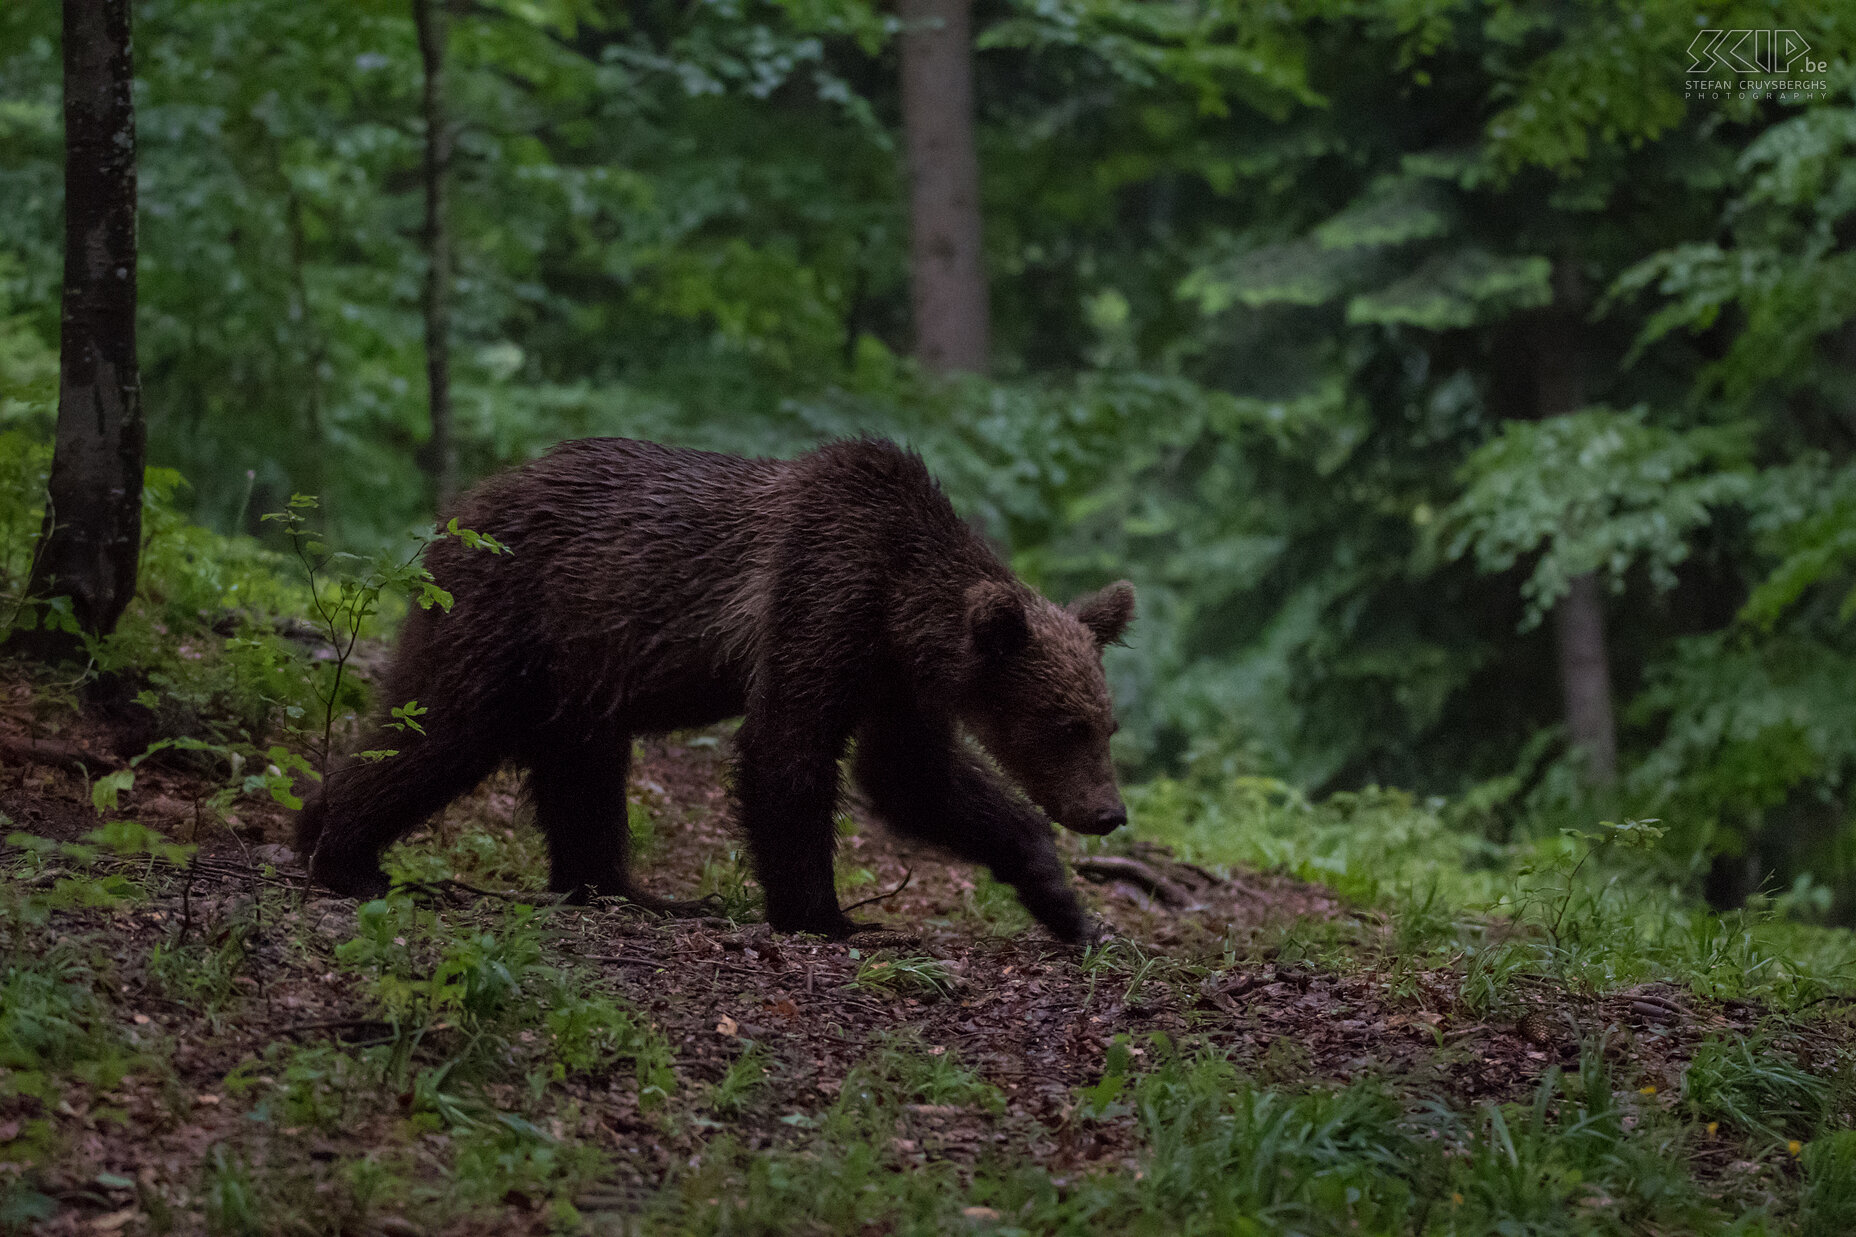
(1220, 957)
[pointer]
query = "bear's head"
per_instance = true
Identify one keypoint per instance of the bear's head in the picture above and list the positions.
(1037, 699)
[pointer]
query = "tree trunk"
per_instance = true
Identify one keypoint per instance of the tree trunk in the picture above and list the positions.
(1579, 619)
(315, 476)
(440, 458)
(1585, 677)
(947, 273)
(91, 537)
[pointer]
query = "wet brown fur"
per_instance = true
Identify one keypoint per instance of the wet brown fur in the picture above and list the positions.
(825, 598)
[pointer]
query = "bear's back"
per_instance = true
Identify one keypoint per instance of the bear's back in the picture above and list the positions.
(639, 570)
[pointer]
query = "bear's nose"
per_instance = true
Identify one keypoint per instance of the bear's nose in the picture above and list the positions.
(1110, 819)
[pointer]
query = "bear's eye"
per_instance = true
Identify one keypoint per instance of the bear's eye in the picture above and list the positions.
(1073, 729)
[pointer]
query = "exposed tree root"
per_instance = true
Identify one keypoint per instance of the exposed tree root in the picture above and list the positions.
(59, 755)
(1117, 867)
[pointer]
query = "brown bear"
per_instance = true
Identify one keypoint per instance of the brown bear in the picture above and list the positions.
(827, 598)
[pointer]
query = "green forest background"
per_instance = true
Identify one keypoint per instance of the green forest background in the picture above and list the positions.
(1355, 333)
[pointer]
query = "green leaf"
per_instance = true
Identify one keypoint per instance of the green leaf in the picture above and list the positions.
(105, 790)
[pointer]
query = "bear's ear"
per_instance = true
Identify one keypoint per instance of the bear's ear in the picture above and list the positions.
(996, 620)
(1106, 614)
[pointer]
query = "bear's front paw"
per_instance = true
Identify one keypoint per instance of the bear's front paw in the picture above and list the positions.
(1073, 930)
(1058, 909)
(352, 880)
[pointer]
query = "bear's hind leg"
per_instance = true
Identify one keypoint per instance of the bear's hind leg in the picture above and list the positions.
(786, 792)
(577, 777)
(578, 785)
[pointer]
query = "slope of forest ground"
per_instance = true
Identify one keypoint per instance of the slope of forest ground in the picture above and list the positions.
(1352, 1016)
(192, 1041)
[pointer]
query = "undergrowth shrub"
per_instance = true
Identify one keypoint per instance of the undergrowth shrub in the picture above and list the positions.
(509, 1156)
(902, 1070)
(1827, 1207)
(1760, 1088)
(1575, 1160)
(1578, 907)
(1222, 1153)
(480, 851)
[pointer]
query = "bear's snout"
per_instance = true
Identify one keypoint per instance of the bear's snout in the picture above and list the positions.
(1099, 820)
(1110, 819)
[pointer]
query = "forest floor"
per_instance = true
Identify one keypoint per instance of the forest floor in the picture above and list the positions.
(195, 1041)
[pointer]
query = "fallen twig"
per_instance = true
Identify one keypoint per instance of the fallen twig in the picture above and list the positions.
(907, 875)
(623, 960)
(224, 867)
(1833, 996)
(451, 885)
(374, 1028)
(1657, 1009)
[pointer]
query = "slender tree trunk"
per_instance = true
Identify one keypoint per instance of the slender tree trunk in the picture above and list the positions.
(948, 277)
(1585, 676)
(92, 532)
(440, 458)
(1579, 619)
(315, 480)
